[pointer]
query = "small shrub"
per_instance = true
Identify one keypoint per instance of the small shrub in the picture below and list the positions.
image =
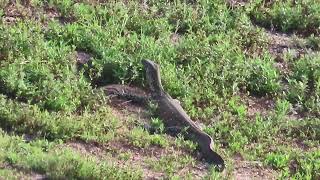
(264, 78)
(278, 160)
(300, 16)
(142, 139)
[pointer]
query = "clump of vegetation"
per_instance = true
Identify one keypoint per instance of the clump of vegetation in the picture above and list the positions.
(302, 16)
(169, 163)
(53, 162)
(304, 83)
(23, 118)
(265, 77)
(141, 138)
(39, 71)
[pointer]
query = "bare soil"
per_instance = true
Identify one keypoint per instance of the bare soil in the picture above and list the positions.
(258, 105)
(245, 170)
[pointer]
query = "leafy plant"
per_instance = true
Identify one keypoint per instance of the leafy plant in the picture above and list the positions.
(264, 78)
(300, 16)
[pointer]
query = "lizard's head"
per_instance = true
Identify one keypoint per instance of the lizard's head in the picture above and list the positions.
(153, 76)
(150, 65)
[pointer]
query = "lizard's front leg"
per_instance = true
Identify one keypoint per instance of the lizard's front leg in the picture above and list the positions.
(174, 130)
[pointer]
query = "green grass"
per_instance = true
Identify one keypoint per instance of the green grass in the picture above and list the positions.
(22, 118)
(54, 162)
(169, 163)
(302, 16)
(219, 59)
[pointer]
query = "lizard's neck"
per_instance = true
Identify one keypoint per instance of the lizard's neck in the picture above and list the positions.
(154, 81)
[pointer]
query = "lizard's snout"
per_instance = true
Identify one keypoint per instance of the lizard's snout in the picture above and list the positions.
(148, 63)
(145, 62)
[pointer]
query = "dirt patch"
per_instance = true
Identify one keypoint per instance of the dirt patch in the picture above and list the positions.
(246, 170)
(14, 12)
(265, 105)
(123, 155)
(86, 148)
(288, 46)
(285, 48)
(281, 43)
(114, 152)
(126, 109)
(9, 20)
(258, 105)
(135, 157)
(21, 173)
(236, 3)
(175, 38)
(51, 12)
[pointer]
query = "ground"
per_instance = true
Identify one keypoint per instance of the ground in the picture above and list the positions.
(246, 71)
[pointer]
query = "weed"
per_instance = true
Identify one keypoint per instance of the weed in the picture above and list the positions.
(141, 138)
(23, 118)
(59, 163)
(288, 16)
(265, 77)
(158, 125)
(170, 164)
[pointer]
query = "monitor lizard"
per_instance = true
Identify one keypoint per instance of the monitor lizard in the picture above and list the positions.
(169, 111)
(173, 115)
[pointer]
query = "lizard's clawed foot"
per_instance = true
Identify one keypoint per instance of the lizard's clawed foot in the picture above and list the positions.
(148, 128)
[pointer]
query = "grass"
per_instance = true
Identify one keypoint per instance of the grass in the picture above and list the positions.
(288, 16)
(47, 159)
(218, 61)
(29, 119)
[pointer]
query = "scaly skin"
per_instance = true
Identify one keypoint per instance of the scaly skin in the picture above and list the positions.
(173, 115)
(133, 94)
